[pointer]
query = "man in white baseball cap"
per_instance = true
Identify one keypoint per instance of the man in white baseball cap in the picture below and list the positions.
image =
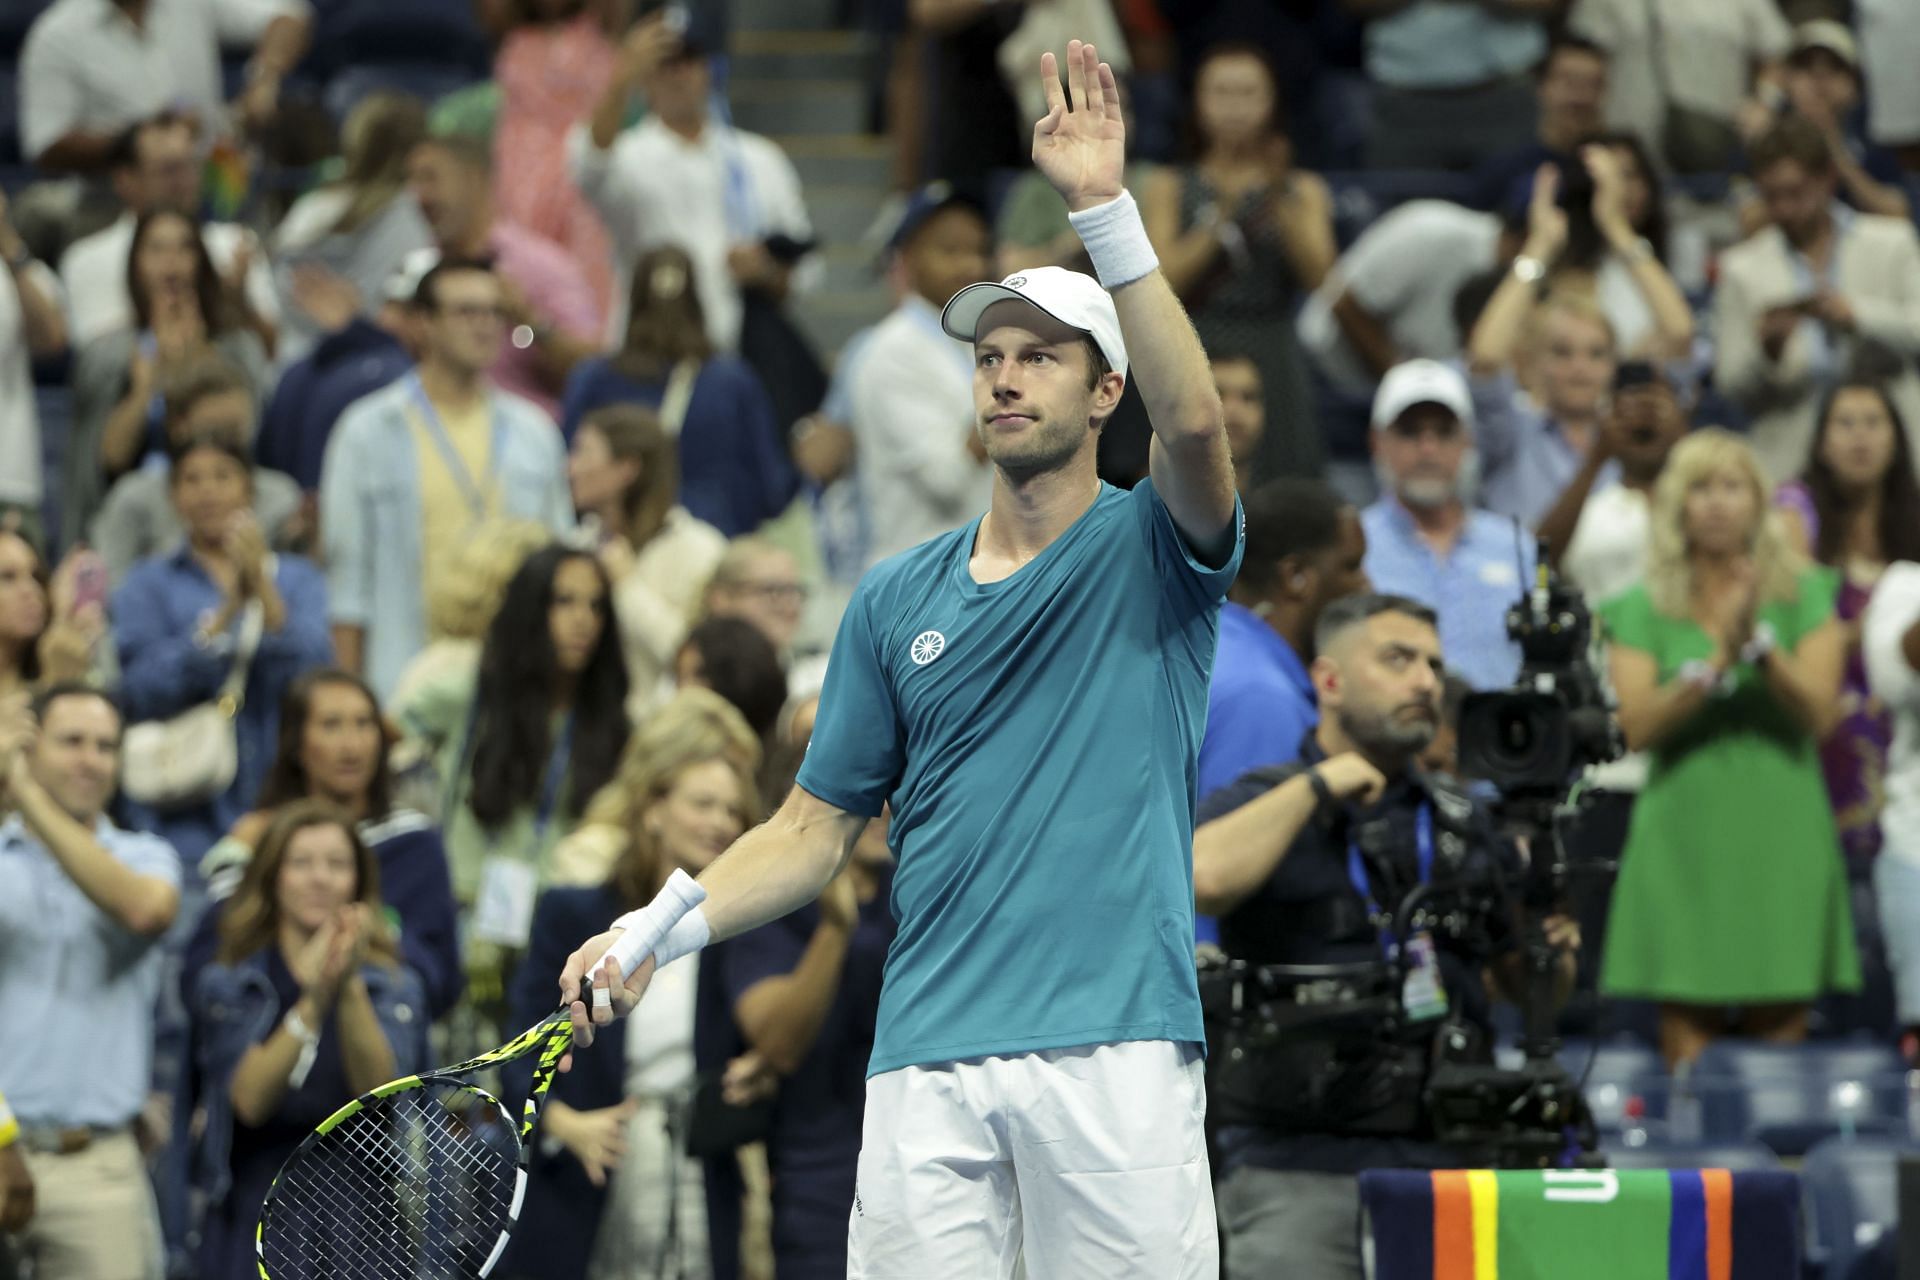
(1028, 693)
(1424, 538)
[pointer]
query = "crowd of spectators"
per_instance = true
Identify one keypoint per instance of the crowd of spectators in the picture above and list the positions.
(410, 559)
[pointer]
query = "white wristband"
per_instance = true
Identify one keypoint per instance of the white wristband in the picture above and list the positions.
(645, 928)
(1117, 241)
(688, 935)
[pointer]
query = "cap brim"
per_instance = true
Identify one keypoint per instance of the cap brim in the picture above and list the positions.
(961, 318)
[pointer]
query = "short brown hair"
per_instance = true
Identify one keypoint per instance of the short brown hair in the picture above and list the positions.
(200, 378)
(1792, 138)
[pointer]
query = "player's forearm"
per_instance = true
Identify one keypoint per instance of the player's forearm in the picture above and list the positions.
(143, 905)
(778, 867)
(1235, 854)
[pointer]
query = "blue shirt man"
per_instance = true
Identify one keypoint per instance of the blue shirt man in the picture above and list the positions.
(82, 905)
(1305, 548)
(1424, 542)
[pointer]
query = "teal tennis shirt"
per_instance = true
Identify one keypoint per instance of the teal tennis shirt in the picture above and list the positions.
(1036, 739)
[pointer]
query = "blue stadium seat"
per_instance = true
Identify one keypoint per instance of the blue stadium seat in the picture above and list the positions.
(1851, 1191)
(1740, 1156)
(1790, 1097)
(1621, 1071)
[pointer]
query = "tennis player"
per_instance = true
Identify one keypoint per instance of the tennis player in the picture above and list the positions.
(1029, 693)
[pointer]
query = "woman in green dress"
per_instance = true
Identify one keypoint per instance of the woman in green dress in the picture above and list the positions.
(1731, 907)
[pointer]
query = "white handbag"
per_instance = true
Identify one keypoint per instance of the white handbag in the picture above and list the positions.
(191, 758)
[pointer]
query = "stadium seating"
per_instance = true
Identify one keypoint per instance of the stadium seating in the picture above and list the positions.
(1792, 1097)
(1740, 1157)
(1851, 1198)
(1624, 1082)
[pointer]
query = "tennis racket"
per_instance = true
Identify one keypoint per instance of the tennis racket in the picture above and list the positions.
(422, 1178)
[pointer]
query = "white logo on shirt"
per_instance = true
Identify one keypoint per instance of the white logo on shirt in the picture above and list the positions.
(926, 646)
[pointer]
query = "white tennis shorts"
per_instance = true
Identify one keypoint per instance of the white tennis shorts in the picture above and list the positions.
(1086, 1162)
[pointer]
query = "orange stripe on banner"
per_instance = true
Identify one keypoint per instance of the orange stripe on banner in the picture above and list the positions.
(1452, 1226)
(1718, 1184)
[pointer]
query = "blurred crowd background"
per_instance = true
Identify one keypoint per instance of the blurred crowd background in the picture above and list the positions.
(446, 433)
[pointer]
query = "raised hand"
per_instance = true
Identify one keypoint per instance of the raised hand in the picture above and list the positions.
(1080, 145)
(1546, 220)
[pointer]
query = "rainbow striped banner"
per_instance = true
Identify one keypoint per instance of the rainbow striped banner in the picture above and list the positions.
(1582, 1224)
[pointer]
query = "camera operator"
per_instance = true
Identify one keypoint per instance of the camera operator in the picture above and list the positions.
(1306, 864)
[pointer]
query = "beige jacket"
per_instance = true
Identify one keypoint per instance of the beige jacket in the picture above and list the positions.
(1876, 268)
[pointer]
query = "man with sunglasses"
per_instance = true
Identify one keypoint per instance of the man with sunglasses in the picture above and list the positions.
(1424, 539)
(412, 468)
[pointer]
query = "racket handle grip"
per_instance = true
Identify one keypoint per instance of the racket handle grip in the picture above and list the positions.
(645, 928)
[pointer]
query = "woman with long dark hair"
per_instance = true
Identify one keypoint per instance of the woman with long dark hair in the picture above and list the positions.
(1855, 507)
(181, 309)
(1613, 246)
(522, 747)
(734, 469)
(335, 747)
(306, 1005)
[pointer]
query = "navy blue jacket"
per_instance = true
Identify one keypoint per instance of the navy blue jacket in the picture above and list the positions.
(315, 391)
(560, 1217)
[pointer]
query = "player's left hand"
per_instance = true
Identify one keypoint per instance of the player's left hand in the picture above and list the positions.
(1081, 144)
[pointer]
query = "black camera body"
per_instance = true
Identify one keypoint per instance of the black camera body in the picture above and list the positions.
(1532, 740)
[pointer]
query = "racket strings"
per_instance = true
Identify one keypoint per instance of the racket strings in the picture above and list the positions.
(415, 1186)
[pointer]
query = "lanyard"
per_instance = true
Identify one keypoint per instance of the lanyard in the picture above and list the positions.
(475, 494)
(556, 774)
(550, 789)
(1357, 873)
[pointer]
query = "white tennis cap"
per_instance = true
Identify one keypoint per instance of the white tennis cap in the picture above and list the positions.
(1071, 297)
(1421, 382)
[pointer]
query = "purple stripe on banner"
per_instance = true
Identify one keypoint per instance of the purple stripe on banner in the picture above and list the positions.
(1399, 1205)
(1687, 1226)
(1766, 1226)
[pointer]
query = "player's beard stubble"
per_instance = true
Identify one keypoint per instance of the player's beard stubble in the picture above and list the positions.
(1046, 445)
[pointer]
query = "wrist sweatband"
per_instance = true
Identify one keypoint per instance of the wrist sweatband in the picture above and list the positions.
(1322, 793)
(1117, 242)
(649, 928)
(688, 935)
(1760, 644)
